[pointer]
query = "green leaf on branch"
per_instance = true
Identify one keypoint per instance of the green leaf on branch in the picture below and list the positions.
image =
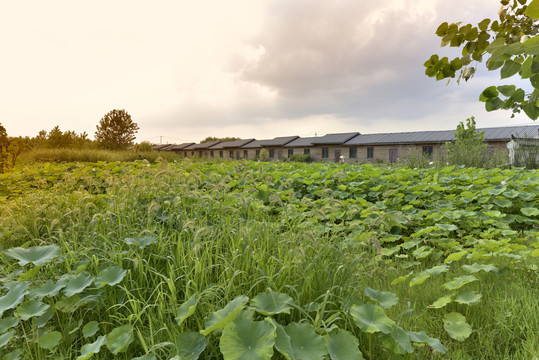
(509, 69)
(494, 104)
(507, 90)
(533, 9)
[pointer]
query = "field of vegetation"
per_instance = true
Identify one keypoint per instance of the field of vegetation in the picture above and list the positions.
(248, 260)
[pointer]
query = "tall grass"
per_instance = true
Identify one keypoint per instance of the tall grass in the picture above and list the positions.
(94, 155)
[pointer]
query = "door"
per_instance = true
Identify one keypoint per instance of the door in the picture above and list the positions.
(337, 155)
(393, 155)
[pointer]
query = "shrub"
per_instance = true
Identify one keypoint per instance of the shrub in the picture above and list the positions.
(469, 147)
(305, 158)
(144, 146)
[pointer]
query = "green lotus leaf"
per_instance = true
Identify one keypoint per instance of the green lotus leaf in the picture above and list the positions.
(419, 278)
(300, 341)
(90, 329)
(342, 345)
(31, 308)
(110, 276)
(119, 339)
(501, 202)
(49, 288)
(422, 337)
(50, 340)
(371, 318)
(142, 241)
(468, 297)
(386, 299)
(458, 282)
(88, 350)
(14, 297)
(190, 345)
(272, 303)
(14, 355)
(437, 270)
(441, 302)
(456, 256)
(447, 227)
(8, 323)
(456, 326)
(246, 339)
(77, 284)
(42, 320)
(475, 267)
(397, 341)
(4, 338)
(186, 309)
(37, 255)
(219, 319)
(145, 357)
(530, 211)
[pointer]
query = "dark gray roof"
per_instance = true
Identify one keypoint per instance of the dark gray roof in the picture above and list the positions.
(256, 144)
(279, 141)
(203, 146)
(492, 134)
(334, 139)
(160, 146)
(179, 146)
(301, 142)
(231, 144)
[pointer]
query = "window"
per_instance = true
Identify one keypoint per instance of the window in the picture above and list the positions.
(370, 153)
(231, 154)
(271, 153)
(306, 151)
(220, 153)
(353, 153)
(211, 153)
(192, 153)
(245, 154)
(290, 152)
(325, 153)
(427, 151)
(200, 153)
(257, 154)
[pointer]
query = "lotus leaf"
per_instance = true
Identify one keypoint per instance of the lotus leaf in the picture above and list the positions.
(371, 318)
(246, 339)
(49, 288)
(31, 308)
(145, 357)
(458, 282)
(422, 337)
(89, 350)
(13, 298)
(190, 345)
(456, 326)
(219, 319)
(118, 339)
(50, 340)
(300, 342)
(186, 309)
(397, 341)
(272, 303)
(8, 323)
(110, 276)
(142, 241)
(441, 302)
(529, 211)
(342, 345)
(77, 284)
(43, 319)
(90, 329)
(468, 297)
(37, 255)
(386, 299)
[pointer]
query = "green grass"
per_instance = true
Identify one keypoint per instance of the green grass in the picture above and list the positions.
(230, 229)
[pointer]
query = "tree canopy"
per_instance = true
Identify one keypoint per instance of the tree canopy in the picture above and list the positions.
(510, 44)
(116, 130)
(211, 138)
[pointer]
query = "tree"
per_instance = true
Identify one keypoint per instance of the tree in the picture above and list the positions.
(469, 147)
(510, 43)
(116, 130)
(212, 138)
(4, 143)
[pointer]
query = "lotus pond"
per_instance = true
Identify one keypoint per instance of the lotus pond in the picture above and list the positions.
(247, 260)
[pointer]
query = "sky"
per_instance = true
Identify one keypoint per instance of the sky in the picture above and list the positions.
(185, 70)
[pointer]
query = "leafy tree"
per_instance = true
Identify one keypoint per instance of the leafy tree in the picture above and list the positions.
(116, 130)
(4, 143)
(510, 43)
(469, 147)
(144, 146)
(211, 138)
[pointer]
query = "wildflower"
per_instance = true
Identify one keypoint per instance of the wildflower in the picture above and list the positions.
(503, 182)
(431, 162)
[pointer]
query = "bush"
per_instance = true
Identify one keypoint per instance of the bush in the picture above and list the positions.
(305, 158)
(469, 147)
(144, 146)
(87, 155)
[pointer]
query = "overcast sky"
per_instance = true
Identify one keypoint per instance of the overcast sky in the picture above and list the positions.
(185, 70)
